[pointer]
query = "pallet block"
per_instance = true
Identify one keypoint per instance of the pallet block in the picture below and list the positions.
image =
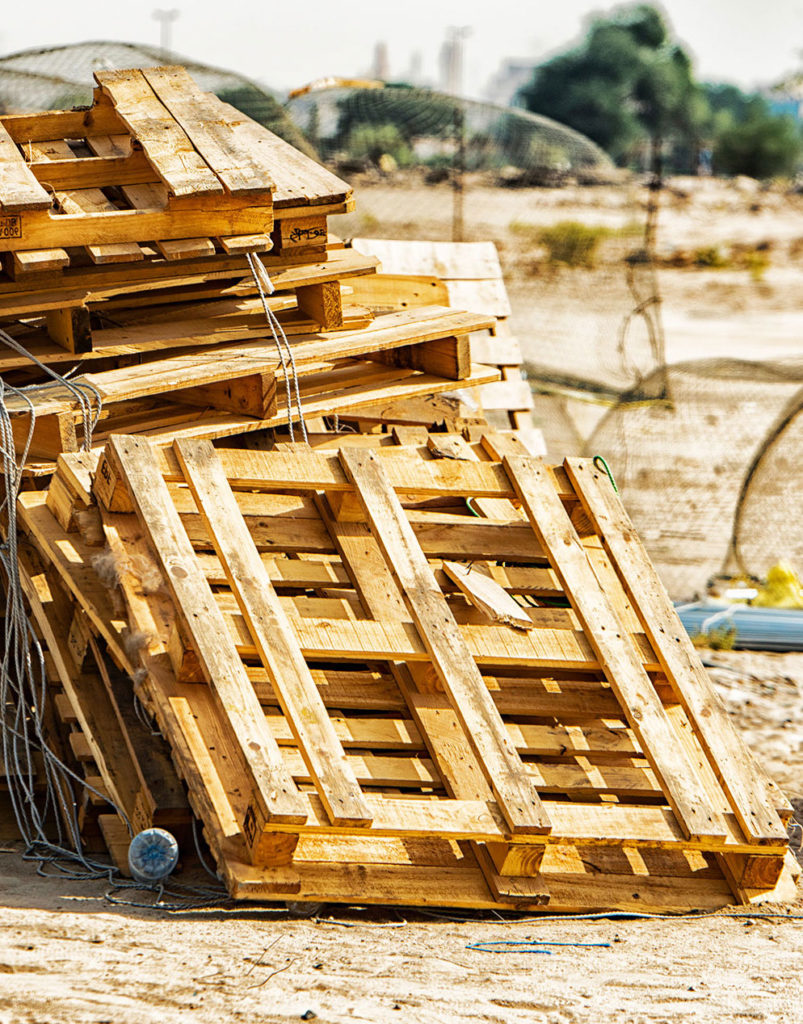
(353, 723)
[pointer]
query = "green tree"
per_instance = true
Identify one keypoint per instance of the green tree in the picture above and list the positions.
(628, 87)
(759, 144)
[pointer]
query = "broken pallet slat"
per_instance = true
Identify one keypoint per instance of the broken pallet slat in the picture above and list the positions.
(19, 189)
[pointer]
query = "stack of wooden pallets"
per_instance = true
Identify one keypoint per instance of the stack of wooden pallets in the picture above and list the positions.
(406, 668)
(411, 667)
(126, 232)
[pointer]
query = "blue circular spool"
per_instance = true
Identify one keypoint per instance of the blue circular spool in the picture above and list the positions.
(152, 855)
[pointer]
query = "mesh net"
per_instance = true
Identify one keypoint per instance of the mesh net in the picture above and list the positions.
(704, 449)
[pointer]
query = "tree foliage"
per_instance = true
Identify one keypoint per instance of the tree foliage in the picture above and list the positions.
(761, 145)
(631, 89)
(626, 84)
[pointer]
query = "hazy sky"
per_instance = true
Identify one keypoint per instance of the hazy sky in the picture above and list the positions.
(748, 42)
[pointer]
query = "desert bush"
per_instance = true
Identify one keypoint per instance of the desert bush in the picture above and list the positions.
(723, 639)
(372, 141)
(711, 256)
(572, 243)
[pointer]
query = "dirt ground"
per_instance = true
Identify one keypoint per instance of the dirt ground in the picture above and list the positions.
(67, 956)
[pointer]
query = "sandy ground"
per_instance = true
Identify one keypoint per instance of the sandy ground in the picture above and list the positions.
(67, 956)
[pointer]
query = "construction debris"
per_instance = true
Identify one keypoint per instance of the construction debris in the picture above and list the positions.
(408, 666)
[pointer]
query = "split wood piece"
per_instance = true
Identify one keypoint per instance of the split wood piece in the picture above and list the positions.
(275, 797)
(87, 200)
(273, 635)
(456, 669)
(487, 595)
(733, 764)
(166, 144)
(623, 668)
(203, 117)
(19, 189)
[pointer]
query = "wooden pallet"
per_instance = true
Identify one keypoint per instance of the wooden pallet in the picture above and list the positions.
(154, 160)
(465, 275)
(326, 648)
(220, 389)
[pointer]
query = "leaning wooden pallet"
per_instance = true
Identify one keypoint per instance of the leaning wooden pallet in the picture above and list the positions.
(326, 649)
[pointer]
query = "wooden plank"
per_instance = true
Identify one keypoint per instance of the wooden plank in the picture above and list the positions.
(166, 145)
(275, 793)
(733, 763)
(62, 124)
(480, 296)
(397, 291)
(189, 217)
(623, 668)
(204, 118)
(273, 635)
(323, 471)
(447, 260)
(300, 181)
(37, 261)
(19, 189)
(451, 659)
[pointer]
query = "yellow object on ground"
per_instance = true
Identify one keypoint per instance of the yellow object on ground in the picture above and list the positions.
(783, 588)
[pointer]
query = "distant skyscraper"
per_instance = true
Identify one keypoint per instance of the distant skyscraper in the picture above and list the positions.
(381, 66)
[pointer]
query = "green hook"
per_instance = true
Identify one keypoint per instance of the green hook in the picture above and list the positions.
(604, 465)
